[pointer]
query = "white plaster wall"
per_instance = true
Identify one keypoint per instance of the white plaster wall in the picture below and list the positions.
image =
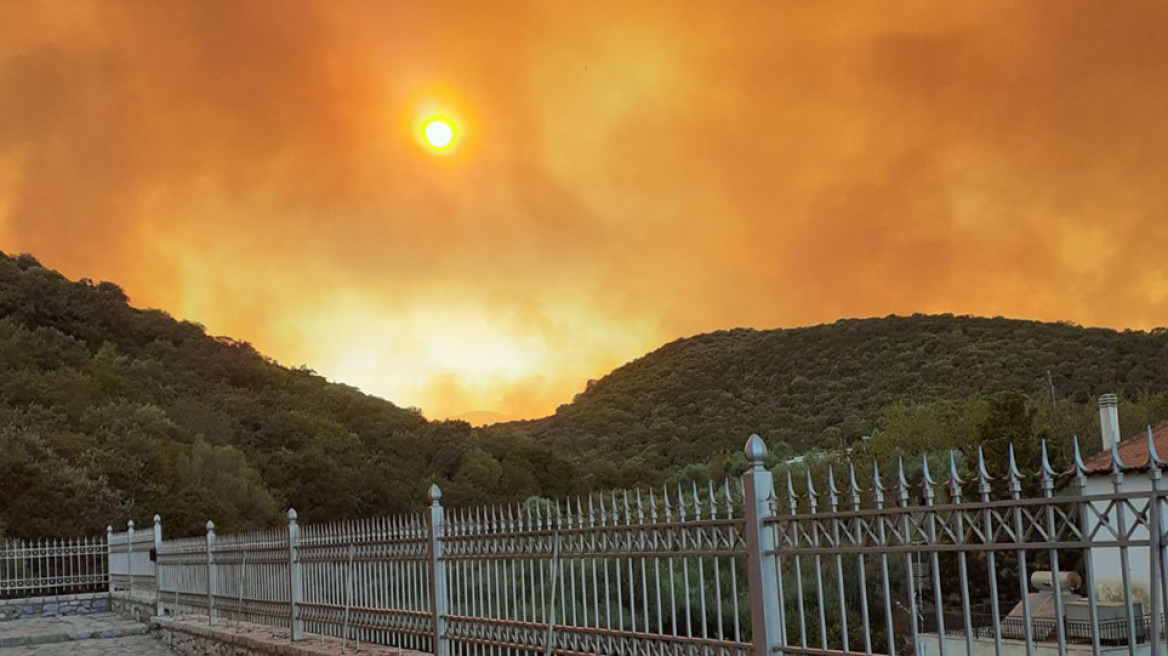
(1106, 560)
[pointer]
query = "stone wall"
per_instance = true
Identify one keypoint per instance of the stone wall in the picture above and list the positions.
(133, 607)
(77, 604)
(194, 637)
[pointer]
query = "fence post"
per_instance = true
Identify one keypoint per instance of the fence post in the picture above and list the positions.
(765, 612)
(295, 578)
(157, 565)
(130, 554)
(212, 618)
(109, 556)
(441, 646)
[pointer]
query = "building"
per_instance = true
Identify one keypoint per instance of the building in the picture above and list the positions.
(1133, 453)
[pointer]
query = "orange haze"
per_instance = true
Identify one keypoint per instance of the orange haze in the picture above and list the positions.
(626, 172)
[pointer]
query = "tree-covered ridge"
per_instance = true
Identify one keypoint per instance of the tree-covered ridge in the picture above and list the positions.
(109, 412)
(816, 387)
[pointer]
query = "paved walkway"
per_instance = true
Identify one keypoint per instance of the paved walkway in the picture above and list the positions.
(128, 646)
(89, 635)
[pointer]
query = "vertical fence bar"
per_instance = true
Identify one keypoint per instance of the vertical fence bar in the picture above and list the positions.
(1088, 558)
(885, 585)
(1047, 475)
(902, 501)
(295, 579)
(1117, 469)
(438, 596)
(984, 488)
(955, 494)
(1014, 483)
(212, 619)
(130, 555)
(157, 568)
(758, 488)
(109, 556)
(833, 500)
(1155, 533)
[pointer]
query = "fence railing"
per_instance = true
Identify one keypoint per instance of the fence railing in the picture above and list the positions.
(52, 567)
(132, 555)
(829, 566)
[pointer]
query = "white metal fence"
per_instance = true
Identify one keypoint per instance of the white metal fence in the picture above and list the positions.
(859, 565)
(132, 555)
(52, 567)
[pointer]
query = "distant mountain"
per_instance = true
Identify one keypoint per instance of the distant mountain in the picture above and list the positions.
(805, 388)
(108, 413)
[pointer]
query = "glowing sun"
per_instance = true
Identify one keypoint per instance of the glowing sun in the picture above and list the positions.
(439, 133)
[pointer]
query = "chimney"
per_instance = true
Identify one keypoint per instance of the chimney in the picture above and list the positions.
(1109, 420)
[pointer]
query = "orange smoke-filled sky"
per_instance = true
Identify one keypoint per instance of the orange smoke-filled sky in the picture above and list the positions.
(626, 173)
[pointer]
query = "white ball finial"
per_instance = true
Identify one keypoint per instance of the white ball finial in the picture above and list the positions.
(292, 515)
(157, 519)
(130, 524)
(210, 525)
(435, 494)
(755, 450)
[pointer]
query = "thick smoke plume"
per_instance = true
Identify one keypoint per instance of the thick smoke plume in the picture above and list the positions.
(628, 173)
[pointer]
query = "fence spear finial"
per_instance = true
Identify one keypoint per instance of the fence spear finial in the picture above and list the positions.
(1077, 457)
(925, 474)
(1154, 461)
(833, 493)
(853, 485)
(983, 475)
(1014, 476)
(954, 476)
(901, 481)
(1117, 464)
(1047, 472)
(877, 484)
(792, 499)
(812, 495)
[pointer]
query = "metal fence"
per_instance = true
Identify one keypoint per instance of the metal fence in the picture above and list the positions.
(52, 567)
(839, 558)
(132, 555)
(828, 567)
(613, 574)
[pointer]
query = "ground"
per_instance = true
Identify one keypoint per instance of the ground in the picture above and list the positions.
(127, 646)
(85, 635)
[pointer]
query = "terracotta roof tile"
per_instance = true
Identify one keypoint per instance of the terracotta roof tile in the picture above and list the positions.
(1133, 452)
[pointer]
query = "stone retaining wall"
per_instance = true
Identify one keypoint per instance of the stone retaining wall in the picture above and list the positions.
(77, 604)
(194, 637)
(133, 607)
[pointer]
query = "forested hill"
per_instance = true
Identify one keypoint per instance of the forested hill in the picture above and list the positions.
(109, 412)
(811, 387)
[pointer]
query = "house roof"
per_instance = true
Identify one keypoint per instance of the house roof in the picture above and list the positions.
(1133, 452)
